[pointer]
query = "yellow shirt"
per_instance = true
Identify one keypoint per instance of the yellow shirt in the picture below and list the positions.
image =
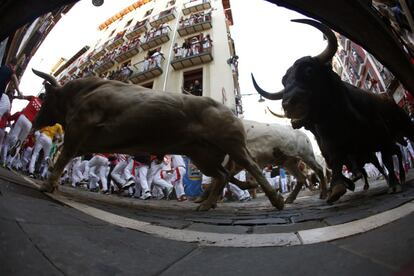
(52, 131)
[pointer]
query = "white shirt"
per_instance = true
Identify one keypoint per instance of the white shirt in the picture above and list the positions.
(4, 104)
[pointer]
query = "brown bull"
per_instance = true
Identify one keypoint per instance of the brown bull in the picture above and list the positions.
(109, 116)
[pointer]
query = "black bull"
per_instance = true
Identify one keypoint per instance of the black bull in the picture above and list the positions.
(349, 124)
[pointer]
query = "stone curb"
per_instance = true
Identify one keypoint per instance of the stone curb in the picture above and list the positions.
(302, 237)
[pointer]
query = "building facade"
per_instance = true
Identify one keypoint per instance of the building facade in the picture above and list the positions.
(176, 46)
(359, 68)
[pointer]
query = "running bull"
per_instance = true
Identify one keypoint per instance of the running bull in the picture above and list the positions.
(109, 116)
(348, 123)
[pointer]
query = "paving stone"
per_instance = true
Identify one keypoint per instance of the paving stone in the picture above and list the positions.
(260, 221)
(213, 221)
(285, 228)
(176, 224)
(234, 229)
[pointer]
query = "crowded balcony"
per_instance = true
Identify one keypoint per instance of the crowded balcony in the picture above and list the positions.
(196, 6)
(118, 40)
(99, 53)
(196, 23)
(105, 66)
(155, 37)
(147, 69)
(194, 51)
(127, 50)
(139, 28)
(163, 17)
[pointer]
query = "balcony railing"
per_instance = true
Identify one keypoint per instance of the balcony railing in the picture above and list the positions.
(163, 17)
(140, 27)
(115, 43)
(146, 70)
(104, 66)
(196, 6)
(181, 62)
(195, 25)
(99, 53)
(128, 52)
(159, 37)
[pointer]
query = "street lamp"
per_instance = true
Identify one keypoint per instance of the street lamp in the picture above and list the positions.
(261, 100)
(97, 3)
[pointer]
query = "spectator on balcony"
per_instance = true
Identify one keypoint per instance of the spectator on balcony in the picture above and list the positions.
(156, 59)
(164, 28)
(185, 49)
(158, 31)
(125, 72)
(196, 88)
(177, 51)
(195, 46)
(206, 42)
(145, 64)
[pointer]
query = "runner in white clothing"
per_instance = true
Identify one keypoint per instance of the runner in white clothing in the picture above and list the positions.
(178, 169)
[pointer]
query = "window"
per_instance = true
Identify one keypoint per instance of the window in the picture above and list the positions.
(128, 23)
(193, 82)
(148, 12)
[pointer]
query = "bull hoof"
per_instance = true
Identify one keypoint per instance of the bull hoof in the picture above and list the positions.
(278, 201)
(398, 188)
(198, 200)
(47, 188)
(323, 195)
(289, 200)
(366, 187)
(395, 189)
(337, 191)
(205, 207)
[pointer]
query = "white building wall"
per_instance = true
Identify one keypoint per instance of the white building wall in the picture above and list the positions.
(217, 75)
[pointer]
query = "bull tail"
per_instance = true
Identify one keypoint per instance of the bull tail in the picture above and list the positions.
(47, 78)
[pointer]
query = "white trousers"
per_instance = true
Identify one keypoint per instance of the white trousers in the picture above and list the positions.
(177, 181)
(122, 171)
(141, 180)
(283, 184)
(98, 170)
(19, 132)
(42, 142)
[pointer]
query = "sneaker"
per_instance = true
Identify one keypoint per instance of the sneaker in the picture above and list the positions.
(128, 184)
(31, 175)
(146, 195)
(105, 192)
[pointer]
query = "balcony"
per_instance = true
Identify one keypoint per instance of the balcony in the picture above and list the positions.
(99, 53)
(189, 61)
(140, 27)
(163, 17)
(196, 6)
(104, 66)
(195, 26)
(146, 70)
(115, 43)
(131, 51)
(159, 37)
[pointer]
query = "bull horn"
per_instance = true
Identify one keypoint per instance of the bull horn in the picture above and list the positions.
(275, 114)
(267, 95)
(332, 47)
(46, 77)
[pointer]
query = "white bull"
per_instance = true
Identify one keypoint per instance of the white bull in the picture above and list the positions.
(283, 146)
(113, 117)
